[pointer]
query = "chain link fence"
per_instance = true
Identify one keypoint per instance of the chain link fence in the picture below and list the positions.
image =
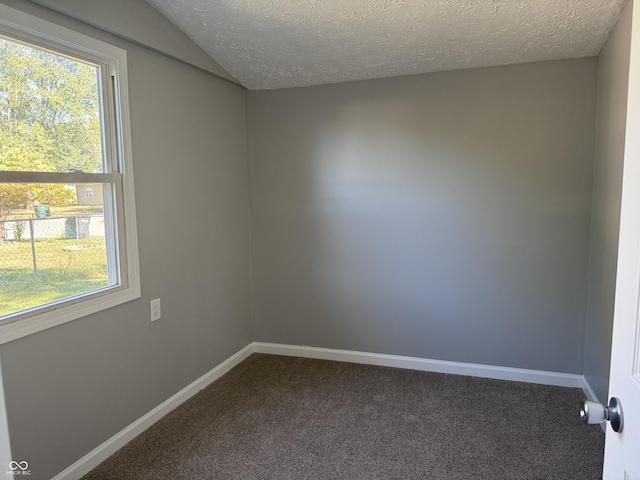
(46, 259)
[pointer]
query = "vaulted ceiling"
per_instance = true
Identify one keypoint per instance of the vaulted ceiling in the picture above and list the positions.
(269, 44)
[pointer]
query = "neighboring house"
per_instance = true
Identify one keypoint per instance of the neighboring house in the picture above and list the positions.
(89, 193)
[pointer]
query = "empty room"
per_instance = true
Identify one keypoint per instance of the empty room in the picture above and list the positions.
(325, 240)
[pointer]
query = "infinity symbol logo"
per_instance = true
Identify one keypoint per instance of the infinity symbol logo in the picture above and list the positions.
(18, 465)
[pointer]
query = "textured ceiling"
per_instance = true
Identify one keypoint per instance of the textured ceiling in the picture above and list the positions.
(289, 43)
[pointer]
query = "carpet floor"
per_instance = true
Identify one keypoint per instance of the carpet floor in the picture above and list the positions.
(274, 417)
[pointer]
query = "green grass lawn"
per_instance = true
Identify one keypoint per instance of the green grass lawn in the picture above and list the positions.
(66, 267)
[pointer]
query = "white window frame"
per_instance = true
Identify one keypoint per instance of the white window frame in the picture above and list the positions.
(117, 139)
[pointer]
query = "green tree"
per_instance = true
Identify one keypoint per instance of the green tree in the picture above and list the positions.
(50, 104)
(14, 194)
(49, 122)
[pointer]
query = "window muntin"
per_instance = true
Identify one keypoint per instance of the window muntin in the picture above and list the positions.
(104, 161)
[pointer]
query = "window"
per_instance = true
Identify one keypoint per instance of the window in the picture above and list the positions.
(68, 243)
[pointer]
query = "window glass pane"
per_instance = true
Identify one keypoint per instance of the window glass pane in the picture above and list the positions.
(71, 249)
(49, 111)
(51, 251)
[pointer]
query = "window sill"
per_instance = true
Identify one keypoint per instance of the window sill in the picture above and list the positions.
(30, 322)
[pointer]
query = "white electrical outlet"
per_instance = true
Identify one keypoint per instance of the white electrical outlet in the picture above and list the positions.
(156, 313)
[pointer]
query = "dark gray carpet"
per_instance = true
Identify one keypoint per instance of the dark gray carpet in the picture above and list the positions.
(290, 418)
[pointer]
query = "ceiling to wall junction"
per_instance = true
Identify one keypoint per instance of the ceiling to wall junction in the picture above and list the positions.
(269, 44)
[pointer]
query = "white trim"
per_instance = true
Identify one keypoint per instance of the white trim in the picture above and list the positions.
(128, 191)
(5, 444)
(108, 448)
(427, 365)
(47, 34)
(65, 311)
(588, 391)
(120, 439)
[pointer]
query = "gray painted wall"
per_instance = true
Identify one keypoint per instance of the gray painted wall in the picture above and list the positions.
(443, 216)
(72, 387)
(139, 21)
(613, 80)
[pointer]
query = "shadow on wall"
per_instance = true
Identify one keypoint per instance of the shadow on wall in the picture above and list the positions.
(445, 222)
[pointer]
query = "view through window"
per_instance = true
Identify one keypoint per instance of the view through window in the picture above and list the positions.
(58, 232)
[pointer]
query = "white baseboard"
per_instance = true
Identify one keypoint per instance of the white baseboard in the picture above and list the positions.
(120, 439)
(588, 391)
(415, 363)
